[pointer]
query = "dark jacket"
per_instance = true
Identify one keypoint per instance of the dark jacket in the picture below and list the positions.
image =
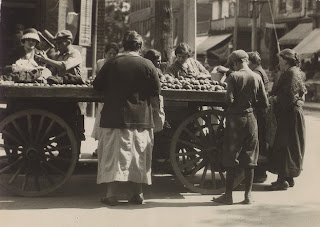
(128, 82)
(290, 89)
(263, 75)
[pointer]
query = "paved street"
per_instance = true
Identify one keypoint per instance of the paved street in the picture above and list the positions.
(169, 204)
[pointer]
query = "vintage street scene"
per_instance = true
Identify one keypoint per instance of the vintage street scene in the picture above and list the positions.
(159, 113)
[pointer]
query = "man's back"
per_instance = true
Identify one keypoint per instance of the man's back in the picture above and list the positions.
(245, 91)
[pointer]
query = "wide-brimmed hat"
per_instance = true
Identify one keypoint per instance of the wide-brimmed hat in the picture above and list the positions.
(237, 55)
(30, 33)
(64, 34)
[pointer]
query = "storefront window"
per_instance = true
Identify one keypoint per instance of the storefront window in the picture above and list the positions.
(310, 4)
(296, 5)
(282, 6)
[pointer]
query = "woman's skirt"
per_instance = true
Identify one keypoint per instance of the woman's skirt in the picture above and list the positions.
(289, 143)
(125, 155)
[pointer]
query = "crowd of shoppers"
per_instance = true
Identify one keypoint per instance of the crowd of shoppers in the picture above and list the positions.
(124, 122)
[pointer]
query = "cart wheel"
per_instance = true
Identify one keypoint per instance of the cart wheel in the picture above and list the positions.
(196, 150)
(38, 152)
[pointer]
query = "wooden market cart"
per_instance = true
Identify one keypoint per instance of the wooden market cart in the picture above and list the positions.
(39, 147)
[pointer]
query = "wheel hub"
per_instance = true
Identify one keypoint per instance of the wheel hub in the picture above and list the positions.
(32, 153)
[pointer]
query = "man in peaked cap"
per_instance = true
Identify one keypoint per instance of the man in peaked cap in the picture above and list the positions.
(66, 69)
(66, 66)
(245, 92)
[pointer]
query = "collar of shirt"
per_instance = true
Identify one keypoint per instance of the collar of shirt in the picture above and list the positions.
(69, 50)
(132, 53)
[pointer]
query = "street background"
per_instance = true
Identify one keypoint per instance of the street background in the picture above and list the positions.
(168, 203)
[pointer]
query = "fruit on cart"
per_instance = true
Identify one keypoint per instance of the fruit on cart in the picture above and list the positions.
(190, 83)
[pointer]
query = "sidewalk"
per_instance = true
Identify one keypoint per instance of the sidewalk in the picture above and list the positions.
(313, 106)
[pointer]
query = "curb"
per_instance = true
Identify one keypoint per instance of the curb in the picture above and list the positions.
(315, 106)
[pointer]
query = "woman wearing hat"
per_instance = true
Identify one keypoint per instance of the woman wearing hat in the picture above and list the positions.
(289, 143)
(128, 81)
(30, 39)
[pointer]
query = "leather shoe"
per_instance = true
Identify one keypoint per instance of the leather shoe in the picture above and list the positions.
(290, 181)
(111, 201)
(223, 199)
(284, 185)
(136, 199)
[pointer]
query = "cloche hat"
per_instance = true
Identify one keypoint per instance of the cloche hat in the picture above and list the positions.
(30, 33)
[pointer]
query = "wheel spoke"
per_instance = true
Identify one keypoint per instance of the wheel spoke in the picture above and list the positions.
(54, 168)
(4, 132)
(190, 162)
(190, 144)
(24, 184)
(58, 158)
(11, 147)
(58, 148)
(29, 128)
(19, 130)
(39, 129)
(203, 177)
(10, 156)
(199, 127)
(11, 165)
(198, 167)
(36, 182)
(188, 153)
(16, 174)
(47, 130)
(213, 176)
(193, 136)
(47, 176)
(56, 138)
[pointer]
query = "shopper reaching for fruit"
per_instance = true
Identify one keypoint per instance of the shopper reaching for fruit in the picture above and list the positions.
(185, 65)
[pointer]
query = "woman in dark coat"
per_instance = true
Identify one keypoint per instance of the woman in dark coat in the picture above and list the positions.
(289, 145)
(128, 82)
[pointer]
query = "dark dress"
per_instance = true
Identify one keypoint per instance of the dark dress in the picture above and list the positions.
(289, 144)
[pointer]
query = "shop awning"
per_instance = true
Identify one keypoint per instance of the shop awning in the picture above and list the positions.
(296, 35)
(211, 42)
(309, 45)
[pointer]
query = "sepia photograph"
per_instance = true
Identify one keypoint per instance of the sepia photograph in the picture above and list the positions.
(159, 113)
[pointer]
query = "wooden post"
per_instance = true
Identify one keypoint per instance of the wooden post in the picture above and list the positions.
(235, 30)
(163, 38)
(189, 23)
(254, 26)
(95, 38)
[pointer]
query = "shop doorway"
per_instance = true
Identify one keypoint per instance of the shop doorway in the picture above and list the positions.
(16, 15)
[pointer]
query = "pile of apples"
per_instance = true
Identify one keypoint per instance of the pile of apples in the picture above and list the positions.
(36, 84)
(191, 83)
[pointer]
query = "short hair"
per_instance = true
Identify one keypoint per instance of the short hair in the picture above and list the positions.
(132, 41)
(152, 54)
(290, 56)
(183, 48)
(110, 46)
(254, 57)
